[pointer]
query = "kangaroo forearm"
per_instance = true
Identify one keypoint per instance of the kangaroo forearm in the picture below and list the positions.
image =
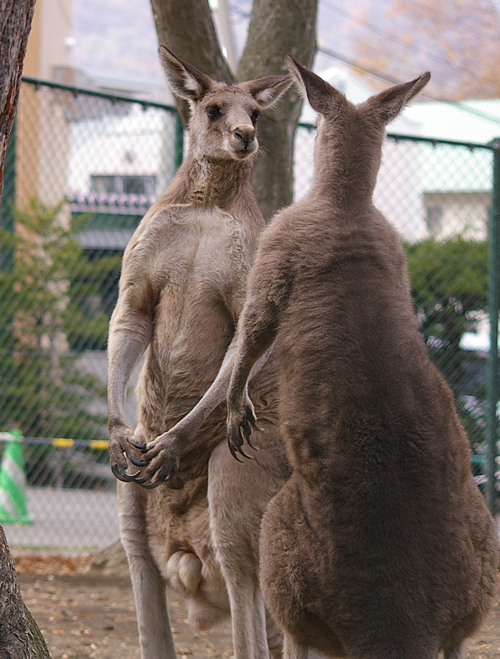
(252, 354)
(215, 395)
(124, 352)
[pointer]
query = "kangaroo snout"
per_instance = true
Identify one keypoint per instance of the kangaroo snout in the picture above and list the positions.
(245, 136)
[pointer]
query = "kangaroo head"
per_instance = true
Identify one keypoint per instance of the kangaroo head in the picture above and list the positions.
(330, 103)
(223, 117)
(349, 137)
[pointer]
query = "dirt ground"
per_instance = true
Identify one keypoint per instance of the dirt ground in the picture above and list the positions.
(83, 613)
(86, 614)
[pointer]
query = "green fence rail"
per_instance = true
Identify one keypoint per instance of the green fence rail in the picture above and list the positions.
(83, 167)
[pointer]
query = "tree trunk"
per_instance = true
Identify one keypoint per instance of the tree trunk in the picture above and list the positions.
(277, 28)
(15, 24)
(20, 637)
(37, 646)
(186, 26)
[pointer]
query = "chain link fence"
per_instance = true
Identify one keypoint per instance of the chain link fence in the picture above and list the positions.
(82, 168)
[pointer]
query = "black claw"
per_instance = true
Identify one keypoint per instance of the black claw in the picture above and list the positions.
(246, 431)
(122, 475)
(161, 478)
(165, 473)
(251, 445)
(142, 479)
(130, 477)
(150, 486)
(141, 447)
(138, 463)
(245, 434)
(233, 450)
(242, 452)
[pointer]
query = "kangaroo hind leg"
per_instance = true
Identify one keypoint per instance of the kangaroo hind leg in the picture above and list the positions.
(455, 652)
(292, 649)
(155, 633)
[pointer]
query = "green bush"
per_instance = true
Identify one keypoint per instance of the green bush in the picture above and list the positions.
(449, 284)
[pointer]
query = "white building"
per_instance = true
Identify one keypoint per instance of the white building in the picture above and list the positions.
(424, 190)
(399, 191)
(119, 165)
(457, 182)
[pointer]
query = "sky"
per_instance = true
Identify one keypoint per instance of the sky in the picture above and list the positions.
(118, 37)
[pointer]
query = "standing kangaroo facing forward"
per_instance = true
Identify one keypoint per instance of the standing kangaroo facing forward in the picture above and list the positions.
(380, 545)
(182, 288)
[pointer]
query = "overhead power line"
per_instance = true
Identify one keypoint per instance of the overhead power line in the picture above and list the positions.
(411, 48)
(474, 23)
(393, 81)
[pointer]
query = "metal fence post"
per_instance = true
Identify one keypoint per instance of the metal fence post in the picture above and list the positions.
(179, 142)
(8, 197)
(493, 388)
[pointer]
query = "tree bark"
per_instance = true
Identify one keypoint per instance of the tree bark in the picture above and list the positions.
(20, 637)
(277, 28)
(15, 25)
(37, 646)
(187, 28)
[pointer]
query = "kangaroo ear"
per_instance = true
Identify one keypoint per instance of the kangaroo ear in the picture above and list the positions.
(388, 104)
(184, 79)
(322, 97)
(267, 91)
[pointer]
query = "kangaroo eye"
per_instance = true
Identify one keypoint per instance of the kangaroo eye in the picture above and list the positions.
(213, 111)
(255, 116)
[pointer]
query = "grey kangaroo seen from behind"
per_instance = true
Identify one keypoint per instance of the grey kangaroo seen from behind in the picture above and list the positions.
(380, 545)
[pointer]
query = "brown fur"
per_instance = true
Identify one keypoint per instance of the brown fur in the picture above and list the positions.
(380, 544)
(182, 288)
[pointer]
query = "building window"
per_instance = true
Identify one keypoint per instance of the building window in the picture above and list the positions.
(137, 185)
(122, 184)
(434, 219)
(102, 184)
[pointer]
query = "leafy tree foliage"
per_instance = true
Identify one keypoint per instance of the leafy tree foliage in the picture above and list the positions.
(455, 39)
(449, 283)
(42, 390)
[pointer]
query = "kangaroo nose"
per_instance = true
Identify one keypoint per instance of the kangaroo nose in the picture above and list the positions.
(245, 134)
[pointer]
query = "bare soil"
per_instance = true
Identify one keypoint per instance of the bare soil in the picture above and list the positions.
(85, 613)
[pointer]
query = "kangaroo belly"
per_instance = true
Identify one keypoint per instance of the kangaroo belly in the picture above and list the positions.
(181, 547)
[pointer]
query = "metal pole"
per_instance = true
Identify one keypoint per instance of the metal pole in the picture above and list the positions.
(493, 388)
(179, 142)
(226, 33)
(8, 197)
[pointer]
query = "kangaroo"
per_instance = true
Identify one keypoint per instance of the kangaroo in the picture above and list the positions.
(379, 545)
(181, 291)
